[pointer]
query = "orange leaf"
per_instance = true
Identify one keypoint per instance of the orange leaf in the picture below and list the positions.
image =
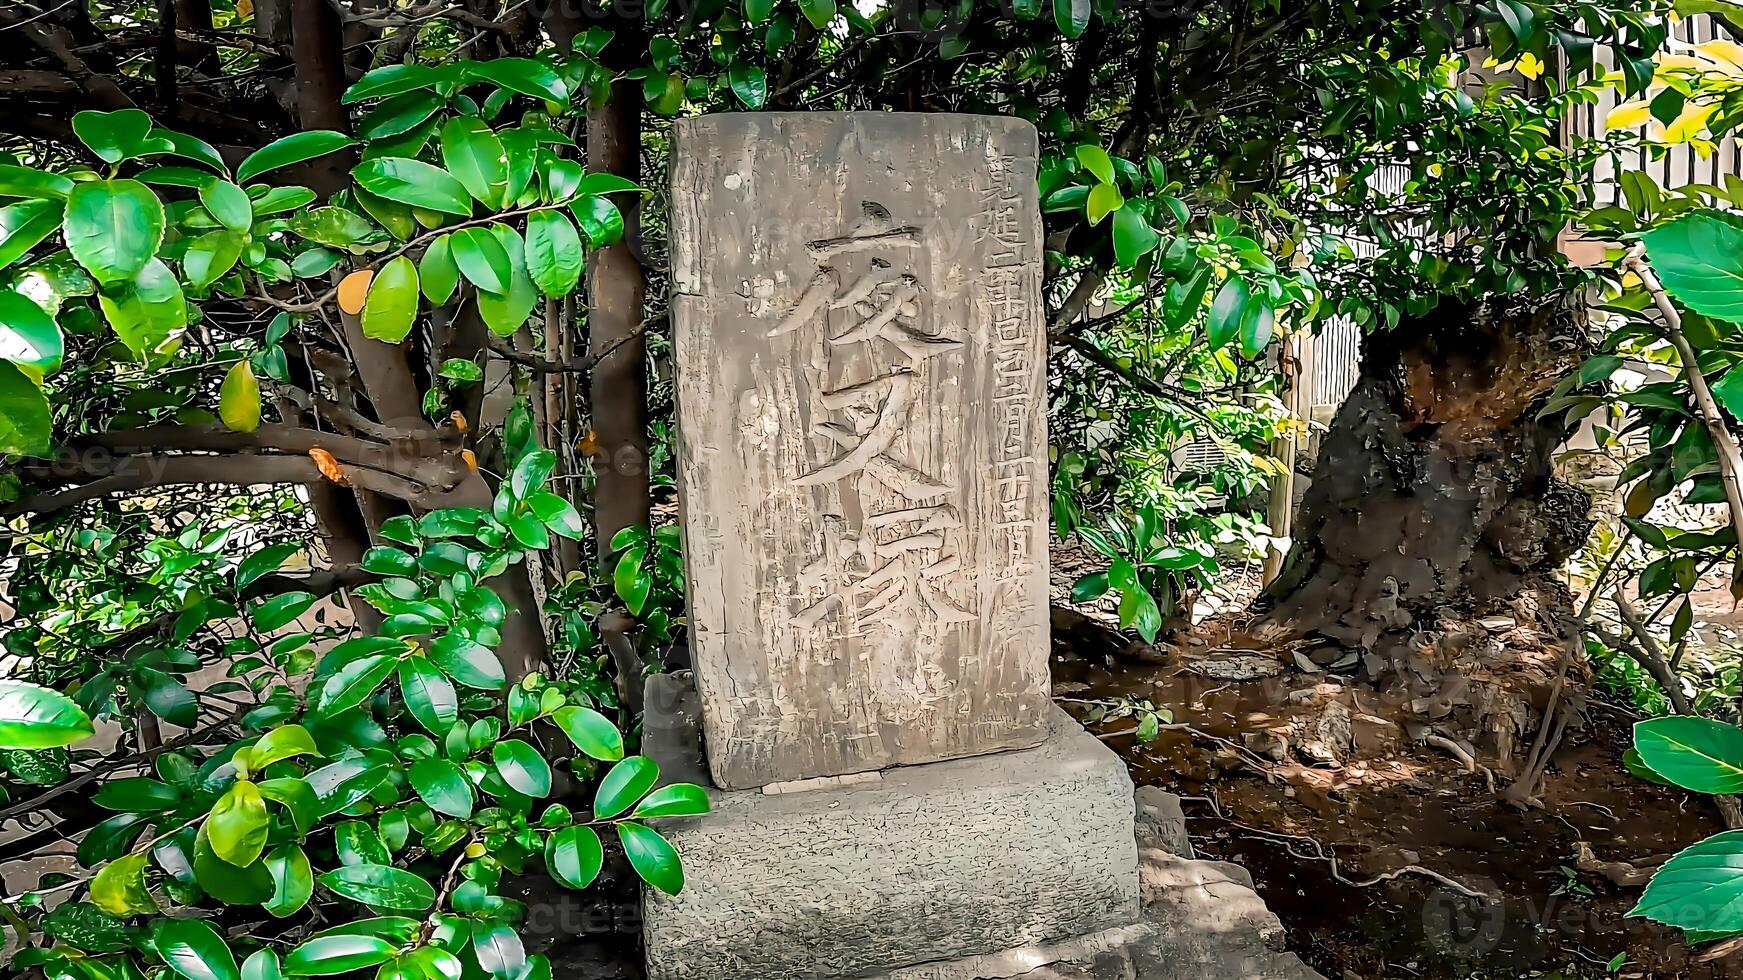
(589, 444)
(353, 290)
(329, 466)
(471, 459)
(459, 421)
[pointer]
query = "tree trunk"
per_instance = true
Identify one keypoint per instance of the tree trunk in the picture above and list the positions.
(615, 290)
(1430, 538)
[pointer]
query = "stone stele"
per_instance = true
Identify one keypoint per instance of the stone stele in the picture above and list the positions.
(859, 351)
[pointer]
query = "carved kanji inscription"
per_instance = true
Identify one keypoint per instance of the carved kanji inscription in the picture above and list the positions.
(858, 339)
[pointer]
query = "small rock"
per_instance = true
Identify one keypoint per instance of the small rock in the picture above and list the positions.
(1240, 667)
(1326, 738)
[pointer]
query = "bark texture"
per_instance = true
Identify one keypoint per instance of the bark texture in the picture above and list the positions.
(1434, 527)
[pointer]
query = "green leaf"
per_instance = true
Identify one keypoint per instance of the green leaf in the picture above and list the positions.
(499, 951)
(1226, 312)
(283, 742)
(189, 148)
(169, 698)
(428, 695)
(381, 886)
(1700, 889)
(36, 717)
(1133, 236)
(1090, 588)
(1695, 753)
(443, 786)
(523, 75)
(113, 228)
(18, 181)
(557, 514)
(1072, 16)
(262, 964)
(482, 259)
(1096, 160)
(750, 83)
(293, 880)
(652, 856)
(592, 732)
(438, 274)
(399, 115)
(1256, 323)
(327, 955)
(467, 662)
(297, 797)
(522, 767)
(599, 218)
(26, 422)
(631, 581)
(757, 11)
(553, 253)
(117, 136)
(356, 842)
(574, 856)
(676, 800)
(24, 224)
(1103, 200)
(88, 928)
(818, 12)
(293, 149)
(263, 562)
(211, 256)
(280, 611)
(227, 883)
(506, 312)
(1699, 258)
(228, 203)
(475, 157)
(624, 785)
(393, 80)
(352, 684)
(119, 888)
(239, 399)
(29, 337)
(194, 949)
(530, 473)
(238, 824)
(414, 182)
(392, 305)
(148, 314)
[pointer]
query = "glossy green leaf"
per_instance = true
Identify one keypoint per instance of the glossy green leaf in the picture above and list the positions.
(229, 204)
(291, 150)
(32, 716)
(624, 785)
(443, 786)
(469, 663)
(237, 826)
(574, 856)
(557, 514)
(592, 732)
(29, 337)
(392, 305)
(1071, 16)
(482, 259)
(599, 219)
(818, 12)
(553, 253)
(750, 83)
(262, 964)
(25, 224)
(428, 695)
(117, 136)
(328, 955)
(113, 228)
(522, 767)
(26, 423)
(390, 80)
(381, 886)
(523, 75)
(211, 256)
(438, 274)
(475, 157)
(652, 856)
(280, 611)
(506, 312)
(399, 115)
(1133, 236)
(193, 949)
(283, 742)
(148, 314)
(293, 880)
(1695, 753)
(414, 182)
(1699, 889)
(1103, 200)
(1226, 311)
(297, 797)
(352, 684)
(676, 800)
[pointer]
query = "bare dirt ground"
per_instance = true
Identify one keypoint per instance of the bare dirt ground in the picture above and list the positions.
(1435, 875)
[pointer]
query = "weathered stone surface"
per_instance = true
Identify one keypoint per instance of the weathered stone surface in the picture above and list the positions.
(930, 864)
(1161, 822)
(859, 351)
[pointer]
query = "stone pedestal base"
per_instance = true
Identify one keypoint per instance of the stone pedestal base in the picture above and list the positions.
(923, 865)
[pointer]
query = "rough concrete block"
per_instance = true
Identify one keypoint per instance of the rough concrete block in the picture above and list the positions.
(932, 863)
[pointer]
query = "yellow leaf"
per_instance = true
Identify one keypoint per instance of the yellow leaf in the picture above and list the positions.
(119, 889)
(354, 291)
(1689, 124)
(328, 465)
(1529, 65)
(244, 9)
(1728, 55)
(1629, 115)
(239, 399)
